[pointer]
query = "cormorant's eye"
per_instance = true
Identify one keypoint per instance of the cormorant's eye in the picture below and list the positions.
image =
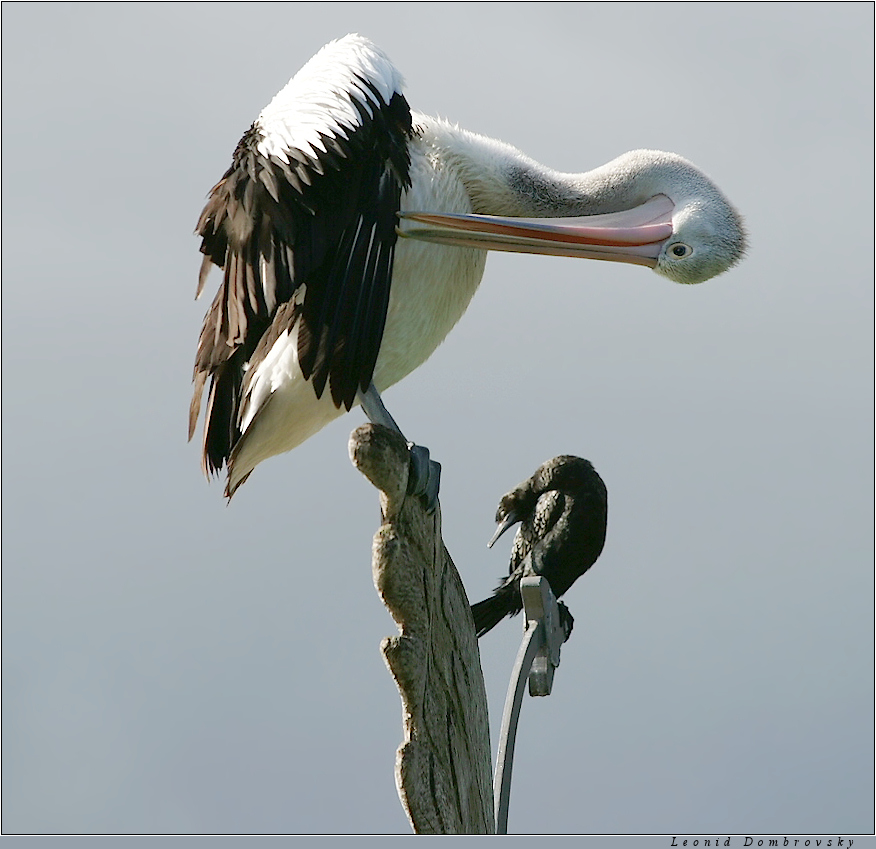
(680, 250)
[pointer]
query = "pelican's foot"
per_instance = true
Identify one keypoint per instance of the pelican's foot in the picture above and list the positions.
(424, 479)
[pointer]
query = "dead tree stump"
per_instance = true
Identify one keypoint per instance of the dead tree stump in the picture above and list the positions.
(443, 767)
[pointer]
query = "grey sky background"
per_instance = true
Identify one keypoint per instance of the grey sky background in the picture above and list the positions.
(171, 664)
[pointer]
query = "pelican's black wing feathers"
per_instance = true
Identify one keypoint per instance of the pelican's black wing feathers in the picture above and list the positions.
(303, 231)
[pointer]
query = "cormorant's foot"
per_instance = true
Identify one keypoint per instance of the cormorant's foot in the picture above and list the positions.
(424, 478)
(567, 621)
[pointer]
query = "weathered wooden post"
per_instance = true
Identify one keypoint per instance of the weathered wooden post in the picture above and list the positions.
(443, 768)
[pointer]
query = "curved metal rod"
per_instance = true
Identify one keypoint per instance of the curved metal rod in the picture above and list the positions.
(533, 638)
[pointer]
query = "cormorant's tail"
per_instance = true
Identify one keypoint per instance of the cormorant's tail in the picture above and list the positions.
(504, 602)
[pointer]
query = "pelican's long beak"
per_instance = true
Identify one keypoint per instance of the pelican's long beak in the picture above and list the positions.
(634, 235)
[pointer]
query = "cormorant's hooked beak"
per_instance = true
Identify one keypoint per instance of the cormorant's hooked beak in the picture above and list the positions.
(634, 235)
(511, 519)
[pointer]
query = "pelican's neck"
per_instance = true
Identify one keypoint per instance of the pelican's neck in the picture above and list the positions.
(500, 180)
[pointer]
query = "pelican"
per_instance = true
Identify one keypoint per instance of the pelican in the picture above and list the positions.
(563, 513)
(351, 234)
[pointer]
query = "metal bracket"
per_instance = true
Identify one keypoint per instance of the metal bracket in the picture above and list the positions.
(538, 657)
(539, 604)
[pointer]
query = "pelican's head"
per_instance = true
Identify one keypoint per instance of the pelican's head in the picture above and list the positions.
(708, 236)
(654, 209)
(706, 240)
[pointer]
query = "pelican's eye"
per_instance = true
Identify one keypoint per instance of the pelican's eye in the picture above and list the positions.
(681, 250)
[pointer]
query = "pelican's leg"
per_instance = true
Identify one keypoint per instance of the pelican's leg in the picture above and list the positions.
(425, 475)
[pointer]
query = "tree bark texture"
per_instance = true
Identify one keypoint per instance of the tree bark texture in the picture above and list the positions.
(443, 767)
